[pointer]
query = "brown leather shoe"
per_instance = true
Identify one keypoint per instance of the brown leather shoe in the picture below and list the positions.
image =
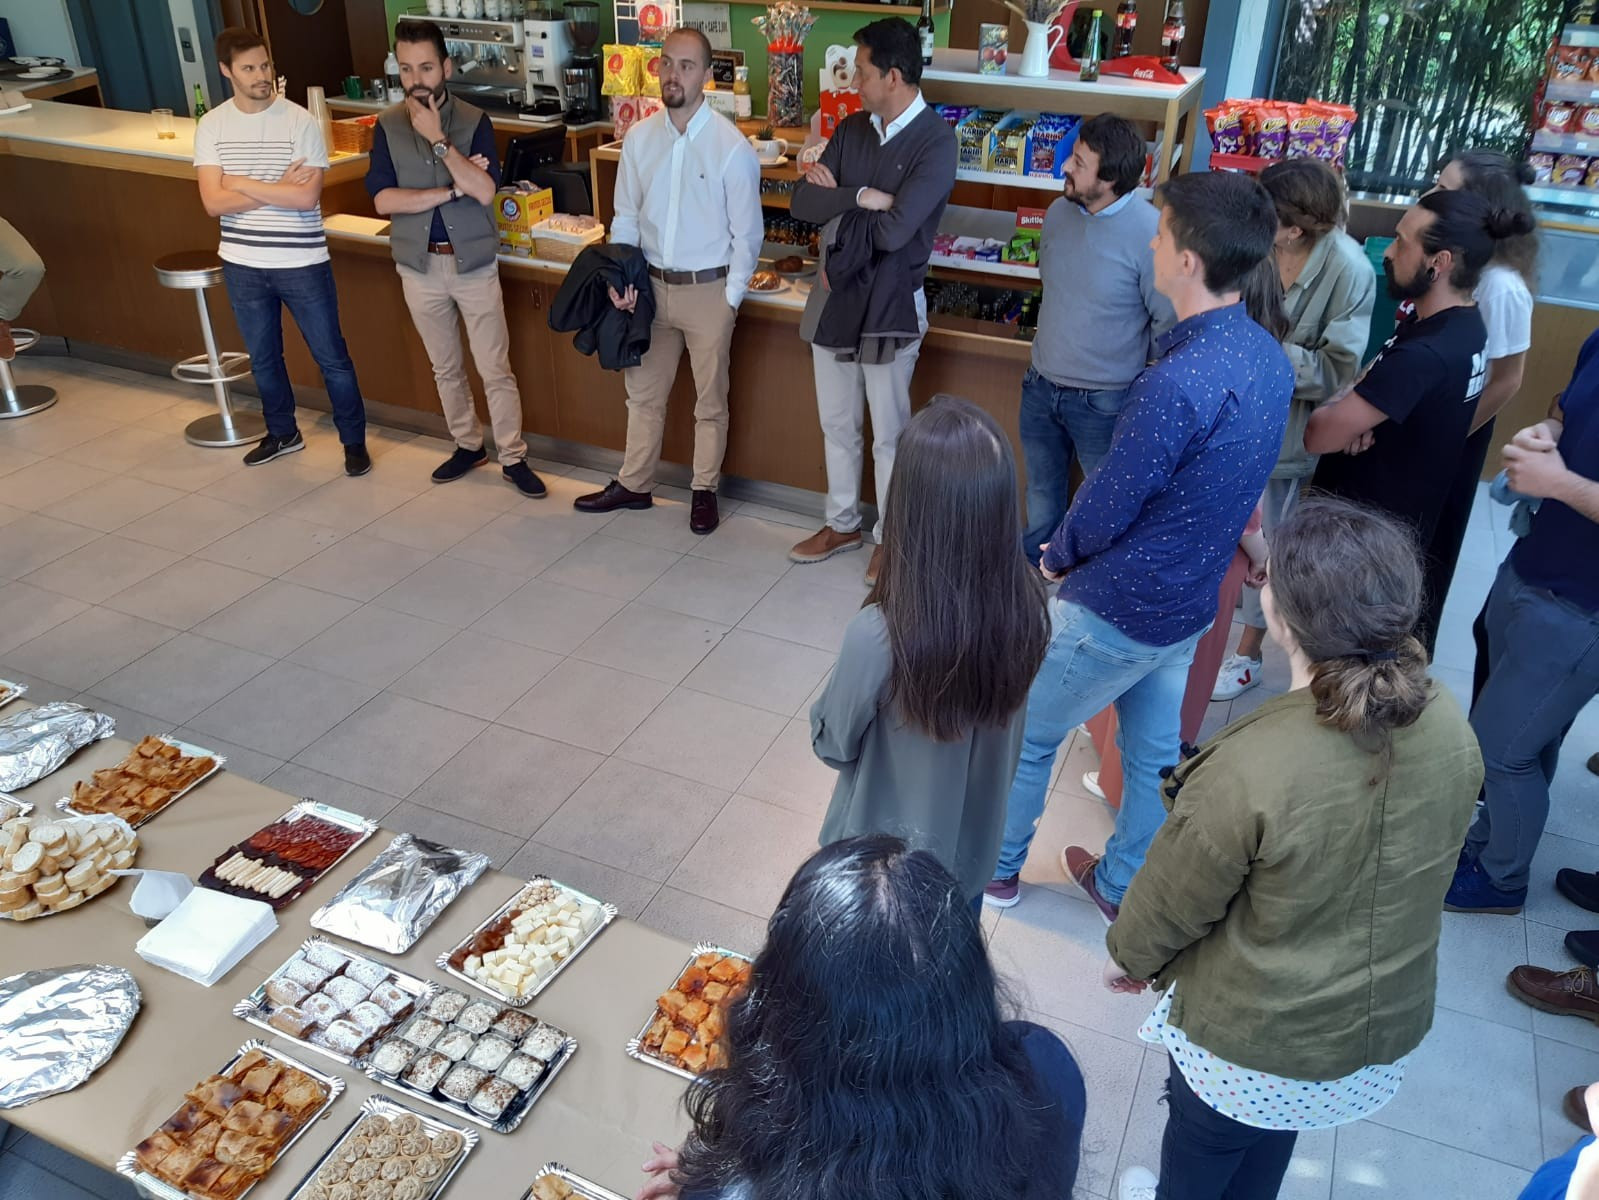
(1575, 1106)
(611, 498)
(8, 345)
(823, 544)
(703, 515)
(874, 566)
(1573, 993)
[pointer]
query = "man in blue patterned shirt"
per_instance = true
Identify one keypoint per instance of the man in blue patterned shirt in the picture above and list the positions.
(1144, 546)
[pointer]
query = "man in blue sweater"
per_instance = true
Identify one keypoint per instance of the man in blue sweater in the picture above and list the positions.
(1099, 318)
(1143, 549)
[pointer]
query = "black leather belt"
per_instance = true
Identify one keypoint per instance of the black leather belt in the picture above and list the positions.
(709, 275)
(440, 248)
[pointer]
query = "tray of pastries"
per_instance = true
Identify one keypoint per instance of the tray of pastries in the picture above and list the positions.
(333, 1001)
(684, 1033)
(391, 1152)
(766, 281)
(279, 862)
(50, 864)
(528, 940)
(473, 1058)
(157, 772)
(555, 1182)
(11, 691)
(231, 1127)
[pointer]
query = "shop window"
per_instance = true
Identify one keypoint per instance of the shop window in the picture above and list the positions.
(1427, 77)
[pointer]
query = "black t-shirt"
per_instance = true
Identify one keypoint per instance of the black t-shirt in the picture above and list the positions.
(1426, 381)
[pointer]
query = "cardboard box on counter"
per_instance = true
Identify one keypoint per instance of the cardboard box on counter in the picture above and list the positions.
(516, 212)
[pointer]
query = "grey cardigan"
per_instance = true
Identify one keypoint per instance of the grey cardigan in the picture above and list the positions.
(945, 797)
(1329, 307)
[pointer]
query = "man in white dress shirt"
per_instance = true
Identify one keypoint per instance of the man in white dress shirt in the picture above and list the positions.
(688, 194)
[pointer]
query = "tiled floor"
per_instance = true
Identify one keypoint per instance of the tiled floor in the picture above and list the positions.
(621, 704)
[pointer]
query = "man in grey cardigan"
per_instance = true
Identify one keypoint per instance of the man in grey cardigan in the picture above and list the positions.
(881, 186)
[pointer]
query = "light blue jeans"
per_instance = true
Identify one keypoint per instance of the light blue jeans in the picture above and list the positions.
(1091, 664)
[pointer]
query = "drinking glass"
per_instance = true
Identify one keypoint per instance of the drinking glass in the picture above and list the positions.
(163, 123)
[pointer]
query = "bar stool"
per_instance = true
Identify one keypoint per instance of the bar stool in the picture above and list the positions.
(197, 270)
(20, 400)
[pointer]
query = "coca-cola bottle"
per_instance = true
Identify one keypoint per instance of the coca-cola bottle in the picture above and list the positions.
(1172, 35)
(1126, 23)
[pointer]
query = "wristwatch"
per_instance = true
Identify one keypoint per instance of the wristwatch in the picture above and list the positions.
(455, 192)
(441, 149)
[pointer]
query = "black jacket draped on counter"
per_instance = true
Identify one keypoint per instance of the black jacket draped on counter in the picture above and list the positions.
(583, 305)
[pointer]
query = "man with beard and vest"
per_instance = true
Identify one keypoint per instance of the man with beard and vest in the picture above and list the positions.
(434, 173)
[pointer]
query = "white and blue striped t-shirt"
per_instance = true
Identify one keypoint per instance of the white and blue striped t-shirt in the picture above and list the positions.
(262, 145)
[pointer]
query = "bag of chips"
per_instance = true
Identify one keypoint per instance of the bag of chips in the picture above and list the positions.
(624, 74)
(1338, 123)
(1543, 167)
(650, 69)
(1571, 169)
(1307, 132)
(1266, 129)
(1226, 125)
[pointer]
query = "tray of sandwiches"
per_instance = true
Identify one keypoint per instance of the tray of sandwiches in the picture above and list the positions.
(684, 1033)
(528, 940)
(231, 1127)
(278, 862)
(413, 1154)
(334, 1001)
(51, 864)
(158, 772)
(474, 1059)
(555, 1182)
(11, 691)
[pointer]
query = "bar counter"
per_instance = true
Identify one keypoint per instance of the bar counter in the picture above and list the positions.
(598, 1117)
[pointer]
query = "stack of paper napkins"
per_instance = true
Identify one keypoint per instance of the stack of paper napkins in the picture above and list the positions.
(207, 935)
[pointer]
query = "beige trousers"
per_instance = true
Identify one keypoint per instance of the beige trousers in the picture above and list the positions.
(440, 297)
(696, 315)
(21, 271)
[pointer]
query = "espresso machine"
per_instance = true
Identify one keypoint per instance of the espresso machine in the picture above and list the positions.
(582, 74)
(547, 50)
(489, 62)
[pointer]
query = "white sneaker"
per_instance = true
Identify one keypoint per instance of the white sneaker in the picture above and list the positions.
(1237, 675)
(1137, 1183)
(1091, 784)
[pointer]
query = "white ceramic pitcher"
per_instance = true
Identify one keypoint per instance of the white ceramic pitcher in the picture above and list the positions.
(1042, 39)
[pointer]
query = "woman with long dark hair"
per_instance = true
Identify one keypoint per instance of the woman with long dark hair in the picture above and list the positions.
(1291, 904)
(923, 714)
(870, 1057)
(1504, 297)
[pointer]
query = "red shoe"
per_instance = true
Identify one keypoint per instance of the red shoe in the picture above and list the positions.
(1079, 865)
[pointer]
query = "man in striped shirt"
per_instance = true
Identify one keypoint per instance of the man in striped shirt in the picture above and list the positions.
(260, 160)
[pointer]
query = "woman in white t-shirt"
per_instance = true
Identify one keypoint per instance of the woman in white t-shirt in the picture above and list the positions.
(1505, 299)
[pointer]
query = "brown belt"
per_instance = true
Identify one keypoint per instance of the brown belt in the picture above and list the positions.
(709, 275)
(440, 248)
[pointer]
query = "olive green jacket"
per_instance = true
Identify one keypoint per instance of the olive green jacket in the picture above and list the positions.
(1296, 888)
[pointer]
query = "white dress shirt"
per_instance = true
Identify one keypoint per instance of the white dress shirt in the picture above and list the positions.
(884, 136)
(691, 200)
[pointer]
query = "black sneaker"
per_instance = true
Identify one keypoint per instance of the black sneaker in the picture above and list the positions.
(522, 476)
(270, 447)
(459, 463)
(356, 460)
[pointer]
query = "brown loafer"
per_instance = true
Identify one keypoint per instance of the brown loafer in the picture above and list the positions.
(1575, 1106)
(1573, 993)
(611, 498)
(703, 515)
(823, 544)
(874, 566)
(1080, 865)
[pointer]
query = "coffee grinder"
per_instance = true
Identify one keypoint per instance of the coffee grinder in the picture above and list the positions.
(582, 73)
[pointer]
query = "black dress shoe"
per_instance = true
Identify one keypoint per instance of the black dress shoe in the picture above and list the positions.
(613, 497)
(703, 516)
(521, 475)
(1583, 945)
(459, 463)
(1580, 887)
(1593, 764)
(356, 460)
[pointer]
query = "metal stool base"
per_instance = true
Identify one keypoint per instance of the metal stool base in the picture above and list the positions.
(233, 365)
(29, 399)
(214, 431)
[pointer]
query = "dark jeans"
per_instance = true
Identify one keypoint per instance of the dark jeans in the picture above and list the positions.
(258, 296)
(1208, 1156)
(1543, 667)
(1449, 535)
(1055, 421)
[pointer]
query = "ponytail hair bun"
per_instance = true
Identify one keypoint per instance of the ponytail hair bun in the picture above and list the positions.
(1525, 175)
(1505, 223)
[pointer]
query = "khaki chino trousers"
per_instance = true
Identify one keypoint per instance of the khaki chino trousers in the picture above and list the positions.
(440, 299)
(696, 316)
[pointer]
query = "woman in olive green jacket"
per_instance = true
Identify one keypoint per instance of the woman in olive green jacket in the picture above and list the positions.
(1290, 906)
